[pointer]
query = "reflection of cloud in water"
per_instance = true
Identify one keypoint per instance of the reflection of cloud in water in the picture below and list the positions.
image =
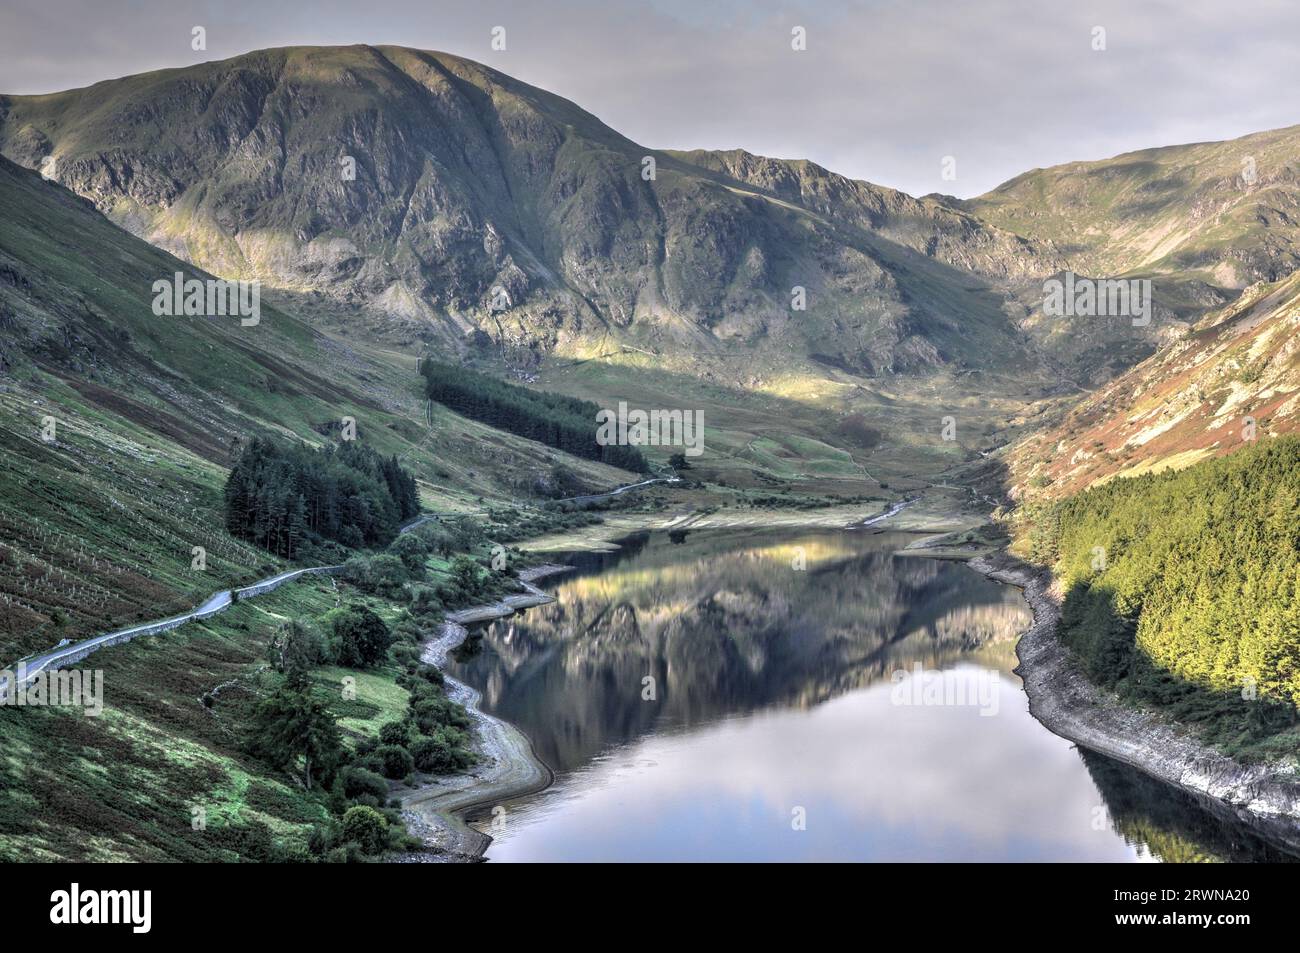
(727, 626)
(878, 781)
(774, 693)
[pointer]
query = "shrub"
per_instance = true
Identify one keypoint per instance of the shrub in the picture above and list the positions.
(442, 752)
(405, 654)
(437, 712)
(394, 733)
(412, 550)
(365, 827)
(396, 761)
(382, 575)
(361, 637)
(358, 781)
(425, 601)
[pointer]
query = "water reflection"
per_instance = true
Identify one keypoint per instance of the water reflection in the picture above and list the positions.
(722, 625)
(697, 696)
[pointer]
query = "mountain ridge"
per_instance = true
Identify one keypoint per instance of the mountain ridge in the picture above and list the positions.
(470, 183)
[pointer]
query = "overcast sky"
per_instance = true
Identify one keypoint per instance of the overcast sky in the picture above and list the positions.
(884, 91)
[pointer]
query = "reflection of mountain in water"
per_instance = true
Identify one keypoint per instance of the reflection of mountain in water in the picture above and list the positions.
(1173, 826)
(725, 624)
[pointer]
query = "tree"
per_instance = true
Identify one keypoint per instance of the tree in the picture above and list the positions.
(566, 423)
(361, 637)
(293, 651)
(678, 461)
(412, 551)
(290, 728)
(395, 760)
(281, 495)
(366, 827)
(1183, 589)
(383, 575)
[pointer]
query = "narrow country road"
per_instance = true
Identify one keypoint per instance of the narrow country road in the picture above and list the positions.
(63, 655)
(619, 491)
(892, 511)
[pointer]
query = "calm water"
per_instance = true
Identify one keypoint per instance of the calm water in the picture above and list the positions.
(744, 696)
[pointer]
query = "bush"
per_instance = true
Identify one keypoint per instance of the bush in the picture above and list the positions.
(361, 637)
(365, 827)
(358, 781)
(438, 711)
(412, 550)
(443, 752)
(382, 575)
(394, 733)
(405, 654)
(396, 761)
(425, 601)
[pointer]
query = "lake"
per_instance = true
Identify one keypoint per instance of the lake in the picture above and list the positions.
(752, 696)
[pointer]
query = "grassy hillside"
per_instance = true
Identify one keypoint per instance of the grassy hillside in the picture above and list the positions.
(1201, 222)
(1235, 373)
(118, 427)
(1223, 213)
(122, 786)
(100, 521)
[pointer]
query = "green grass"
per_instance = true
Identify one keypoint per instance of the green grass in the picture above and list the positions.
(378, 698)
(97, 528)
(123, 786)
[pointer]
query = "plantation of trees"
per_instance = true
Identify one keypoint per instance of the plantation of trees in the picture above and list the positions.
(1183, 588)
(564, 423)
(281, 496)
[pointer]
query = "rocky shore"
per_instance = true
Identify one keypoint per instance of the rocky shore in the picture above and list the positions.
(1264, 797)
(507, 767)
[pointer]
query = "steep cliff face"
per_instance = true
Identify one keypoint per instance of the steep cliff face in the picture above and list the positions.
(443, 198)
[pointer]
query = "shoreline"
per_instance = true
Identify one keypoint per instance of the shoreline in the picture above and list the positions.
(920, 514)
(1063, 700)
(1060, 698)
(507, 768)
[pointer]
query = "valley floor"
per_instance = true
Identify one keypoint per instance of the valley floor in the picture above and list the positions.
(934, 511)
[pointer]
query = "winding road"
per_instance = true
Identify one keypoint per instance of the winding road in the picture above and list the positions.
(619, 491)
(26, 669)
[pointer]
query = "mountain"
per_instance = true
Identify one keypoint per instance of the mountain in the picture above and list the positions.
(117, 424)
(1201, 222)
(1226, 214)
(1232, 378)
(494, 222)
(484, 206)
